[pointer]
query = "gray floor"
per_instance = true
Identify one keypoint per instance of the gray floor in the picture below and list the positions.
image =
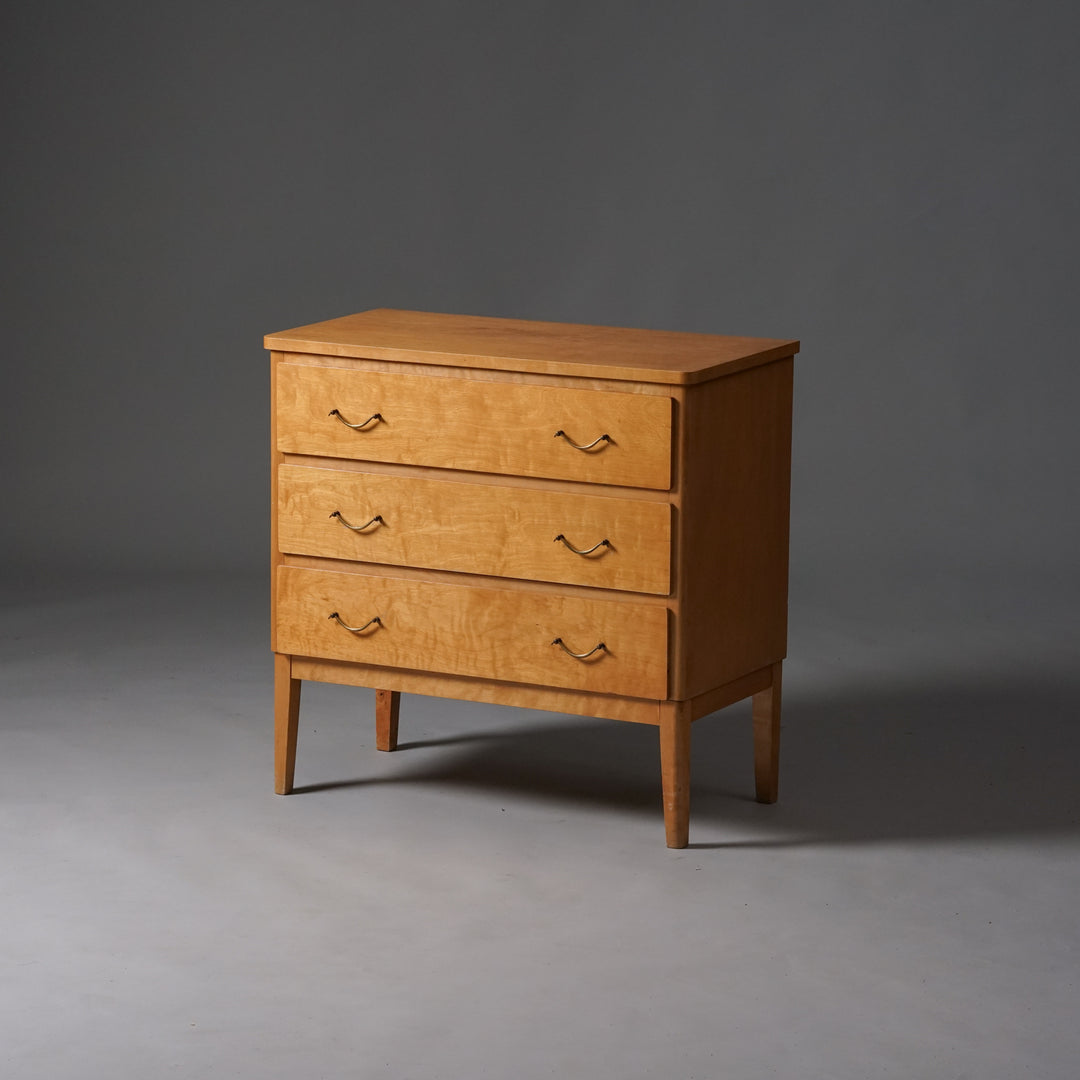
(496, 900)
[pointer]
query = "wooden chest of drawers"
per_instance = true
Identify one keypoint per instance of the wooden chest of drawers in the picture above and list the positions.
(588, 520)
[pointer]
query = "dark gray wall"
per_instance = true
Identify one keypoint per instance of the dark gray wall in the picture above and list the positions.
(894, 183)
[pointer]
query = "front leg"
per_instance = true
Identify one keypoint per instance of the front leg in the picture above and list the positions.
(286, 723)
(675, 770)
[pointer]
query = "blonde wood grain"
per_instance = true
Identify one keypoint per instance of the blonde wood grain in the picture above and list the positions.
(766, 712)
(456, 577)
(286, 723)
(387, 707)
(529, 346)
(723, 696)
(486, 427)
(675, 722)
(467, 630)
(462, 688)
(681, 580)
(733, 528)
(275, 461)
(477, 374)
(461, 476)
(480, 529)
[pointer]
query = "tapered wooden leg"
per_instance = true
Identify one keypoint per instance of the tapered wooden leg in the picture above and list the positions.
(286, 722)
(766, 706)
(387, 703)
(675, 771)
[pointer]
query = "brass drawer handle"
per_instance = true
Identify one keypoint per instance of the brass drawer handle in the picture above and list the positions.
(355, 629)
(560, 434)
(605, 543)
(579, 655)
(356, 427)
(357, 528)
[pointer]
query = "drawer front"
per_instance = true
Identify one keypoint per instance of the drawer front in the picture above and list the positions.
(487, 633)
(475, 528)
(456, 423)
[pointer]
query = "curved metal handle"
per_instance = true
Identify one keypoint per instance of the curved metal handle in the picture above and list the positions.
(560, 434)
(605, 543)
(355, 629)
(356, 427)
(357, 528)
(579, 655)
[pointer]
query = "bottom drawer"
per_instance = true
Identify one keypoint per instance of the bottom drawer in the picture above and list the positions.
(467, 630)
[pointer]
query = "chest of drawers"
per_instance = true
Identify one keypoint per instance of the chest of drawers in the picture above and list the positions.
(587, 520)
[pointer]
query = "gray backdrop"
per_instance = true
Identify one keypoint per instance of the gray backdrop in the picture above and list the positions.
(894, 184)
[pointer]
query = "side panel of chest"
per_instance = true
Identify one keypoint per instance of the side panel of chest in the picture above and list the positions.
(475, 528)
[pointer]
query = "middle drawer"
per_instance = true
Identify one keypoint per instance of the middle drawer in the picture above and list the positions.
(490, 529)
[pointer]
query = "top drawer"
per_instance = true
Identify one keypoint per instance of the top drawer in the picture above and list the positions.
(456, 423)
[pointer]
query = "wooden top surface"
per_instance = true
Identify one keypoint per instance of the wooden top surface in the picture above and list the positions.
(545, 348)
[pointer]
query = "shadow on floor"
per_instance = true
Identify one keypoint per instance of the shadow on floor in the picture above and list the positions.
(901, 763)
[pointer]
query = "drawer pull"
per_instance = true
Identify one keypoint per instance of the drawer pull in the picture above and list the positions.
(579, 655)
(605, 543)
(357, 528)
(363, 423)
(355, 629)
(560, 434)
